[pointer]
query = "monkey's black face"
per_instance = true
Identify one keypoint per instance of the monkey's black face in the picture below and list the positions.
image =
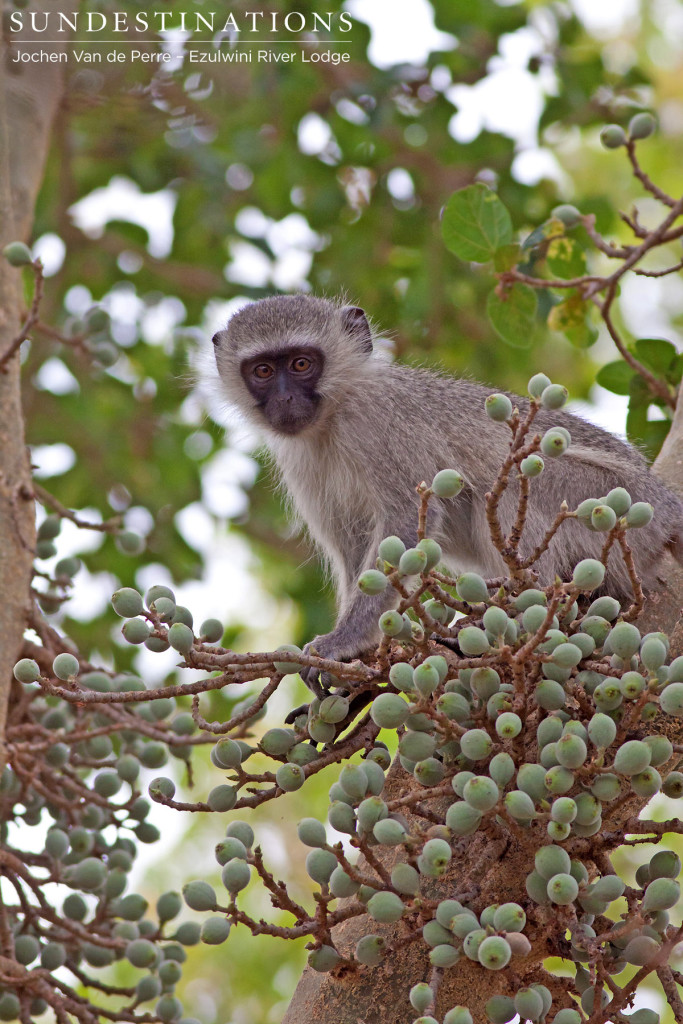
(283, 382)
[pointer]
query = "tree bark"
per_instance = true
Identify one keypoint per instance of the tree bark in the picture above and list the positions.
(663, 610)
(494, 868)
(29, 99)
(669, 464)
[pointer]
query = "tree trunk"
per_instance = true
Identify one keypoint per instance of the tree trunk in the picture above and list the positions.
(29, 100)
(494, 868)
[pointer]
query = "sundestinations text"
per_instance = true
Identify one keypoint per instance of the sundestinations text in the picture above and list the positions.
(165, 21)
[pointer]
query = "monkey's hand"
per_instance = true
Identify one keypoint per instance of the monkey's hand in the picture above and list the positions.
(326, 646)
(346, 641)
(321, 684)
(357, 630)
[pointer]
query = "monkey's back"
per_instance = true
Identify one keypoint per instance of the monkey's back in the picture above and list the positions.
(402, 425)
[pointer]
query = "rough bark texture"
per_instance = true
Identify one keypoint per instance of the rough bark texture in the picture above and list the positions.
(669, 464)
(487, 865)
(663, 610)
(29, 99)
(493, 867)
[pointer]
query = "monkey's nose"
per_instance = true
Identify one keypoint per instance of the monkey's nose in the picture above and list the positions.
(216, 338)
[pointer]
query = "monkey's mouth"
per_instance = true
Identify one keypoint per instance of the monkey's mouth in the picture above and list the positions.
(289, 421)
(291, 425)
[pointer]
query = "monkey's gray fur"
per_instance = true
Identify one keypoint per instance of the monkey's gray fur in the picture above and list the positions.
(351, 466)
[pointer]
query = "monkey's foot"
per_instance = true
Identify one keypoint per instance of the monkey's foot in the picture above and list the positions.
(294, 714)
(450, 642)
(319, 683)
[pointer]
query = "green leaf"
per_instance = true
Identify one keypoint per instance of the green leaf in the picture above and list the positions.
(655, 435)
(656, 354)
(582, 336)
(640, 393)
(549, 229)
(616, 377)
(675, 371)
(507, 257)
(405, 258)
(566, 258)
(475, 223)
(131, 232)
(572, 317)
(646, 434)
(513, 314)
(569, 314)
(639, 403)
(535, 239)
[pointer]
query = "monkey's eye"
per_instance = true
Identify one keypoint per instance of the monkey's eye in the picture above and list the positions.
(263, 371)
(301, 364)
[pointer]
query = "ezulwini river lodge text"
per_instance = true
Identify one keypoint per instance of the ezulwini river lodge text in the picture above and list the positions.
(192, 56)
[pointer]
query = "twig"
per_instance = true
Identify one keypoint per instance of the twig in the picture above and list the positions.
(638, 604)
(659, 273)
(31, 317)
(657, 387)
(425, 494)
(543, 545)
(112, 525)
(645, 179)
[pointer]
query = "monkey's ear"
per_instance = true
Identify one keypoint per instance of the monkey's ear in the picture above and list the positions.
(356, 324)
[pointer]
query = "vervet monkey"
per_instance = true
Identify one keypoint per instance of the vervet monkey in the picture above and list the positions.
(352, 434)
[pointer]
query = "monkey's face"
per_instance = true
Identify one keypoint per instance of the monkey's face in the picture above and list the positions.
(287, 362)
(283, 383)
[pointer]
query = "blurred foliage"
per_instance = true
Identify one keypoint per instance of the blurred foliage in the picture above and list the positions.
(224, 141)
(551, 270)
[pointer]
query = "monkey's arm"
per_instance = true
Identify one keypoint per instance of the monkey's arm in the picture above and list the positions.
(356, 631)
(357, 628)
